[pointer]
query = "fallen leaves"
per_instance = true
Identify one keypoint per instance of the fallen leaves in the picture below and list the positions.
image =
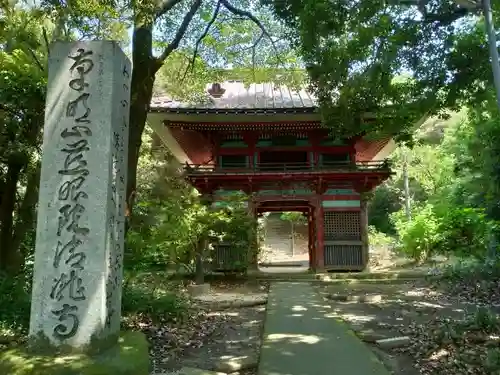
(201, 335)
(470, 346)
(444, 346)
(478, 292)
(169, 340)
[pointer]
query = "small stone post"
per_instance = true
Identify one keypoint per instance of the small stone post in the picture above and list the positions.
(77, 279)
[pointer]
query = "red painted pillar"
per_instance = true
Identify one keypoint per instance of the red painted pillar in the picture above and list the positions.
(250, 139)
(364, 231)
(320, 235)
(216, 140)
(315, 139)
(312, 239)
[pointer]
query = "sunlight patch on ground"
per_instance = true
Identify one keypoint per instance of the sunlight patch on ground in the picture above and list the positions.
(439, 354)
(352, 317)
(285, 270)
(294, 338)
(250, 323)
(233, 358)
(224, 313)
(328, 307)
(421, 292)
(428, 304)
(331, 315)
(219, 297)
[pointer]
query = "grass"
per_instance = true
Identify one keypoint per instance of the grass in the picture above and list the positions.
(150, 297)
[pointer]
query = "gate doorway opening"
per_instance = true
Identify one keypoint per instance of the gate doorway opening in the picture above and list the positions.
(285, 238)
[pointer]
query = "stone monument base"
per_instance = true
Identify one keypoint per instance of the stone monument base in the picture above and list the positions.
(129, 357)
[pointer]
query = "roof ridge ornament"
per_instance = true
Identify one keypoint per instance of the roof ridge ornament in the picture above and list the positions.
(216, 91)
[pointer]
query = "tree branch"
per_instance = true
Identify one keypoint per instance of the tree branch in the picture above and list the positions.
(165, 5)
(200, 39)
(443, 19)
(181, 31)
(251, 17)
(46, 39)
(446, 19)
(254, 52)
(32, 53)
(254, 45)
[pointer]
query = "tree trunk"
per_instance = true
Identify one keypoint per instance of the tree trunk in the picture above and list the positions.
(9, 261)
(143, 76)
(199, 278)
(406, 183)
(2, 190)
(26, 215)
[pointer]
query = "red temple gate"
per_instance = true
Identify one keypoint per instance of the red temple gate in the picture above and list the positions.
(286, 161)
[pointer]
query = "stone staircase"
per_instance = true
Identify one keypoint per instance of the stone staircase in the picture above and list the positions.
(277, 244)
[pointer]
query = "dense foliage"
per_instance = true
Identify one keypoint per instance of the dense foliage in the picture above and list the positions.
(192, 44)
(453, 189)
(193, 41)
(401, 60)
(419, 68)
(171, 220)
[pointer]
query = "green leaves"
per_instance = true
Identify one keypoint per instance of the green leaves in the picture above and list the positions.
(22, 83)
(170, 217)
(355, 51)
(294, 217)
(419, 237)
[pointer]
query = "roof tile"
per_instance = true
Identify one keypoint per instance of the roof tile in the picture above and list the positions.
(265, 95)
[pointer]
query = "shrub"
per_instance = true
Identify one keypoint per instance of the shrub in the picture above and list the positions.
(457, 231)
(147, 299)
(379, 239)
(471, 270)
(155, 302)
(15, 304)
(385, 201)
(465, 232)
(419, 237)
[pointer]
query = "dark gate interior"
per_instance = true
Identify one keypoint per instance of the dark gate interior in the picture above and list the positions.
(279, 160)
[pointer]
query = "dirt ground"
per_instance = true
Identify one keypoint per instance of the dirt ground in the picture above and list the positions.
(390, 311)
(219, 333)
(382, 259)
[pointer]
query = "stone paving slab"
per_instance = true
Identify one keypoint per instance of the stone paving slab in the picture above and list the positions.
(302, 337)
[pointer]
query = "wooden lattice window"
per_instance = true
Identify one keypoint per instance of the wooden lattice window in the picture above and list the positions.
(340, 225)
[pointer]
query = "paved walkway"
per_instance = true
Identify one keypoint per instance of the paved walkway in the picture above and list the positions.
(301, 337)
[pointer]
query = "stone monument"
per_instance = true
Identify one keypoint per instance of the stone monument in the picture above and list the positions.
(77, 279)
